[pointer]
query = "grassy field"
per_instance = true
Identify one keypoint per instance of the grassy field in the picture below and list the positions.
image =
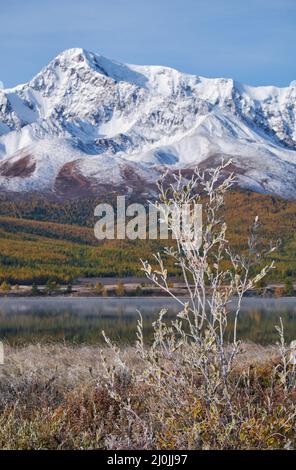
(56, 397)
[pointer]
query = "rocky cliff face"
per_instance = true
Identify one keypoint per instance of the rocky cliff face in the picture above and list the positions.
(91, 124)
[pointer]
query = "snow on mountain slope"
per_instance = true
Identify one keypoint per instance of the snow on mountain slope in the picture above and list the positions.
(86, 123)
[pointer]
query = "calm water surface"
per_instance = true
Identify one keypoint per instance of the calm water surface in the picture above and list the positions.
(81, 320)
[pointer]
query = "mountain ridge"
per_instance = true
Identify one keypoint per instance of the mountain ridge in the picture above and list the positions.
(86, 123)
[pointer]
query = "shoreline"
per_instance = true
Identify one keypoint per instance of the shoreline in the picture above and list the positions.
(113, 292)
(155, 296)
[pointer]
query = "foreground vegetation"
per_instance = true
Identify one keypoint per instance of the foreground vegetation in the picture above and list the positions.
(58, 397)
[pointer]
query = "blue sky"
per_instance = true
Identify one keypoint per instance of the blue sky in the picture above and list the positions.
(251, 41)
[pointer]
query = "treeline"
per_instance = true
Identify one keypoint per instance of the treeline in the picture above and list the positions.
(28, 256)
(37, 251)
(53, 230)
(77, 211)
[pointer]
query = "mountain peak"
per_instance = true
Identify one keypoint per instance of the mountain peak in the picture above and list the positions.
(75, 59)
(90, 119)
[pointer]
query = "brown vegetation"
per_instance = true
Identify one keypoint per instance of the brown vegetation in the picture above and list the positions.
(56, 397)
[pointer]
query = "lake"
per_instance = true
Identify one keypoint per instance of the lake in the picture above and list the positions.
(81, 320)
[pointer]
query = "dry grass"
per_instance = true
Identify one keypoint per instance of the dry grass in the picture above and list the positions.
(57, 397)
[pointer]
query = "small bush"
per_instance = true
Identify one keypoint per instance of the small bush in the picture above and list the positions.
(35, 290)
(289, 287)
(120, 290)
(5, 287)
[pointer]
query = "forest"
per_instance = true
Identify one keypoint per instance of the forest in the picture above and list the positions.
(45, 240)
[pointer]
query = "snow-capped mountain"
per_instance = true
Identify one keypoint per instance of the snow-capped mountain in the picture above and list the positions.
(89, 124)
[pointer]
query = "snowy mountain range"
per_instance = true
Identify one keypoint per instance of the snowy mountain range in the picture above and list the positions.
(86, 124)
